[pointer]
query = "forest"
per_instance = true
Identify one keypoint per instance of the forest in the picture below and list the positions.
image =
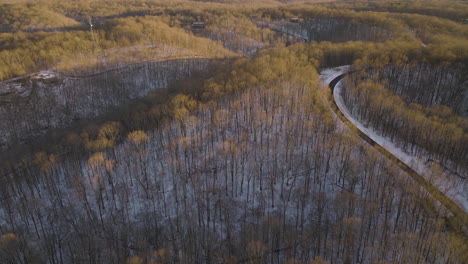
(151, 131)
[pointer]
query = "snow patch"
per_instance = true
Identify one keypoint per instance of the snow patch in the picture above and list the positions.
(44, 75)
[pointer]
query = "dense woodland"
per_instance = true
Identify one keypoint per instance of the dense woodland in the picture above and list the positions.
(57, 102)
(129, 136)
(232, 181)
(420, 104)
(454, 10)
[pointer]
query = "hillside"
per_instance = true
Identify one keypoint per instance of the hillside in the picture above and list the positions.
(216, 132)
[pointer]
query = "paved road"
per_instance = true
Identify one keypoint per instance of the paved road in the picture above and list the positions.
(460, 216)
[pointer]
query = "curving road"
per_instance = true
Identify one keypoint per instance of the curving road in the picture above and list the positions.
(460, 216)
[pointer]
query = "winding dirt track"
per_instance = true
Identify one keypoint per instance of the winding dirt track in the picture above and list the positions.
(460, 217)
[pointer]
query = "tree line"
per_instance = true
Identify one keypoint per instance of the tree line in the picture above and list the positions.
(140, 30)
(83, 50)
(456, 10)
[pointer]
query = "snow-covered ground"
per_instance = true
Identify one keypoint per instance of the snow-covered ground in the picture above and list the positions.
(45, 74)
(455, 188)
(60, 101)
(20, 86)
